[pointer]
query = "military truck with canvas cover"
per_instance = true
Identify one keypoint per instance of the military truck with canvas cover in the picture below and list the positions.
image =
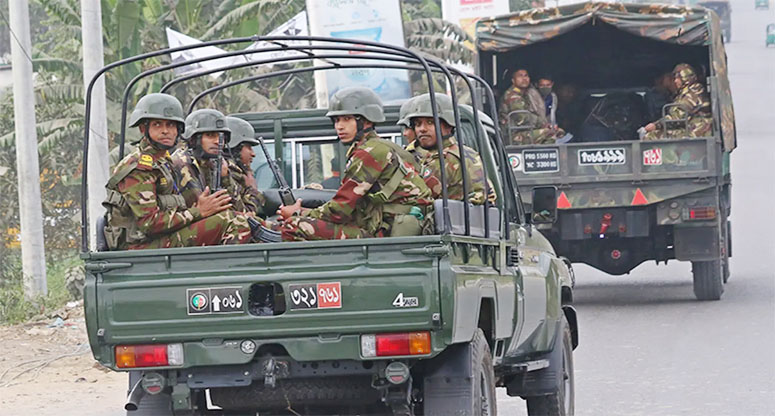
(622, 201)
(426, 324)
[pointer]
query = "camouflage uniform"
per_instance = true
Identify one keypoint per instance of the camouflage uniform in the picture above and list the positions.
(417, 151)
(146, 209)
(431, 173)
(246, 198)
(379, 182)
(195, 175)
(516, 99)
(694, 107)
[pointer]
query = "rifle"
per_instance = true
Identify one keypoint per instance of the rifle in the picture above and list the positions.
(283, 189)
(218, 164)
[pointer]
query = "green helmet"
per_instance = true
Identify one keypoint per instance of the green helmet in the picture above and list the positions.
(241, 132)
(357, 101)
(686, 73)
(403, 120)
(206, 120)
(157, 106)
(421, 107)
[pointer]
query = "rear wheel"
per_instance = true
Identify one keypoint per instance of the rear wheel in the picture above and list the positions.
(708, 279)
(562, 402)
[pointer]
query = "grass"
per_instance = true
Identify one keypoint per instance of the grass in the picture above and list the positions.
(14, 307)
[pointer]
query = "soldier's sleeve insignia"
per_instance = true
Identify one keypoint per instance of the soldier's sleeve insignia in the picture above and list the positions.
(145, 162)
(163, 181)
(426, 172)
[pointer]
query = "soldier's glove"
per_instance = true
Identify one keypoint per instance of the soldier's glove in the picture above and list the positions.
(263, 234)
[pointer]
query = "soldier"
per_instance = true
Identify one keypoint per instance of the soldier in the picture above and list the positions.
(240, 158)
(408, 132)
(206, 133)
(421, 117)
(531, 124)
(381, 193)
(692, 104)
(145, 208)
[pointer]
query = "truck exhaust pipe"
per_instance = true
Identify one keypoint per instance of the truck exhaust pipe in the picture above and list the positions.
(135, 396)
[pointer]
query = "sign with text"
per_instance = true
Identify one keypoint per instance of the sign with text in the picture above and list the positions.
(368, 20)
(540, 160)
(465, 13)
(212, 300)
(315, 296)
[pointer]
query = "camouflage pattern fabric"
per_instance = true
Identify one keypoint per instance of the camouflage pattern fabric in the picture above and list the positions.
(246, 198)
(431, 173)
(356, 210)
(693, 104)
(153, 212)
(417, 151)
(195, 175)
(516, 99)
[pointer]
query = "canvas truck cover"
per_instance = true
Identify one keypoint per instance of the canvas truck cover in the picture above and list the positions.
(675, 24)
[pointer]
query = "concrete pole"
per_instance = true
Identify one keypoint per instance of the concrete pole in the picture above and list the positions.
(30, 209)
(99, 169)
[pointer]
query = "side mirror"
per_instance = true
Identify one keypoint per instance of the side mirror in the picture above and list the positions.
(544, 205)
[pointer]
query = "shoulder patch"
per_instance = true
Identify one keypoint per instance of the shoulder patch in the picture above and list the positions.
(145, 162)
(426, 172)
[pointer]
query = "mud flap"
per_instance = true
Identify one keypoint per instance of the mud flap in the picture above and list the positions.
(449, 381)
(541, 382)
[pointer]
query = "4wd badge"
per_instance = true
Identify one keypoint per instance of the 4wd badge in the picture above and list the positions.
(607, 156)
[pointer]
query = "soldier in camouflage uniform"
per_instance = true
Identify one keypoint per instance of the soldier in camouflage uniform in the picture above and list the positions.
(529, 126)
(206, 133)
(381, 191)
(241, 155)
(692, 104)
(421, 116)
(145, 208)
(407, 131)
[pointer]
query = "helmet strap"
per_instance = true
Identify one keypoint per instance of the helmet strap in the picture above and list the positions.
(361, 130)
(199, 151)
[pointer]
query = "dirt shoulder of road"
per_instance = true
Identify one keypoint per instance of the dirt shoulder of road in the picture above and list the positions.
(47, 368)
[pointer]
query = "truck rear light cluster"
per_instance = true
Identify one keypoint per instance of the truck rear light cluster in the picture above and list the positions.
(392, 345)
(701, 213)
(149, 355)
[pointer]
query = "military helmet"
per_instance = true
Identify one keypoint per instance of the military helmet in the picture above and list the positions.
(421, 107)
(357, 101)
(206, 120)
(241, 132)
(157, 106)
(403, 120)
(686, 73)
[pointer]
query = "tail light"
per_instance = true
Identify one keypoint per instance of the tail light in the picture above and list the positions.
(701, 213)
(149, 355)
(391, 345)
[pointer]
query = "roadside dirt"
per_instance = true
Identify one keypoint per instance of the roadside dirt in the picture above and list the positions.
(47, 369)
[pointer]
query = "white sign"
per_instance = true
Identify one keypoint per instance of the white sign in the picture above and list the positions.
(297, 26)
(368, 20)
(466, 12)
(652, 157)
(177, 39)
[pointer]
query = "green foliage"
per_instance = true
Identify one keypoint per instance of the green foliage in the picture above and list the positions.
(14, 307)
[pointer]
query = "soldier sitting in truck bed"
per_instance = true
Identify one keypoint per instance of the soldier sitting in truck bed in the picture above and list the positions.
(421, 118)
(145, 208)
(380, 189)
(689, 115)
(522, 116)
(240, 156)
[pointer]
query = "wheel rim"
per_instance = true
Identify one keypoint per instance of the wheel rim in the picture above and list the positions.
(486, 399)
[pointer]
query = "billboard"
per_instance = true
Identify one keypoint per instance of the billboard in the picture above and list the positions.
(369, 20)
(466, 12)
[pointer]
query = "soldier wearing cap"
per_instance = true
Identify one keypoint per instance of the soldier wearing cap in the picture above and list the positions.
(246, 195)
(421, 118)
(690, 113)
(145, 207)
(381, 194)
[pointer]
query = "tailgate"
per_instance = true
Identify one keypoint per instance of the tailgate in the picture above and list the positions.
(609, 174)
(329, 288)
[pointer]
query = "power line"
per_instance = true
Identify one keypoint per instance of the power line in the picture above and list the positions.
(14, 36)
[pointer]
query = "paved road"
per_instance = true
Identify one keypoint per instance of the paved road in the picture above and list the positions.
(647, 347)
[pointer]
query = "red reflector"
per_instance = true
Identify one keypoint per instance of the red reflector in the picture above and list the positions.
(702, 213)
(639, 198)
(392, 344)
(562, 201)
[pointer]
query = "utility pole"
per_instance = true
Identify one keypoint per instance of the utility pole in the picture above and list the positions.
(30, 209)
(99, 169)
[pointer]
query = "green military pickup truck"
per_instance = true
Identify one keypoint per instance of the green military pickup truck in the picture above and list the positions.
(621, 200)
(427, 324)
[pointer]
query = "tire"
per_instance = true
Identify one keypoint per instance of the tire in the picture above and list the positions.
(708, 279)
(151, 404)
(563, 401)
(475, 399)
